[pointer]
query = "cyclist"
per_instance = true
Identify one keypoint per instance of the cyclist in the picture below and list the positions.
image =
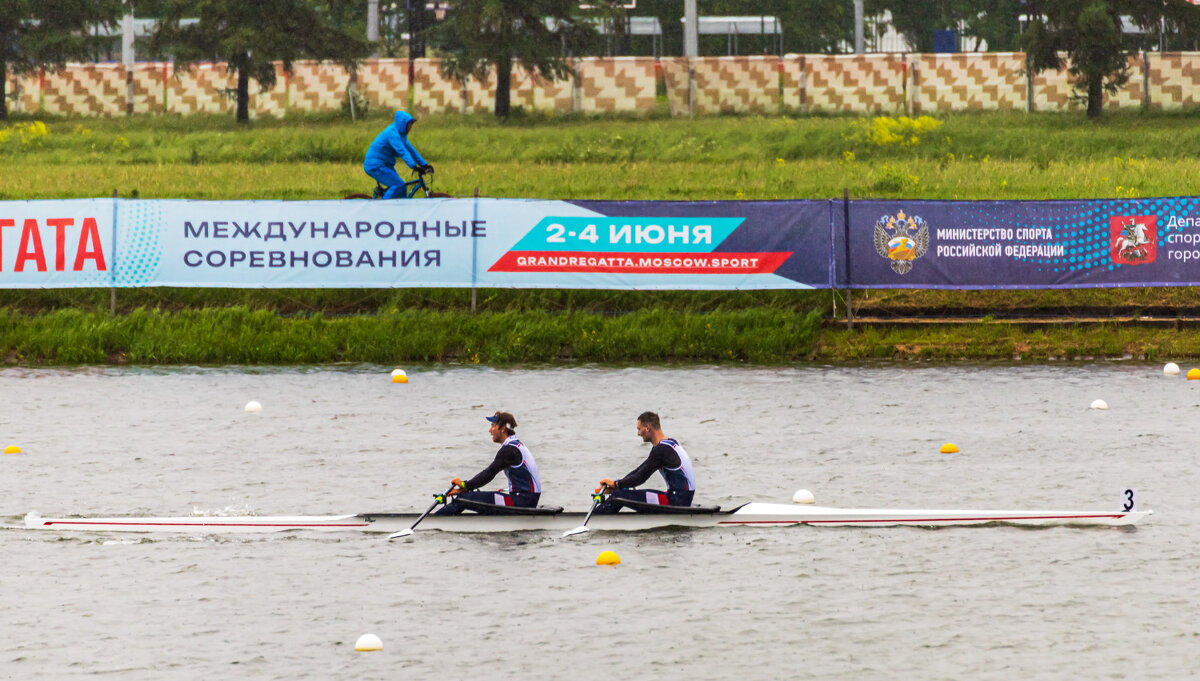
(389, 145)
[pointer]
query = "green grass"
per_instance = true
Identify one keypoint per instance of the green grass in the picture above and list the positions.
(343, 302)
(968, 156)
(1003, 341)
(237, 335)
(764, 336)
(916, 179)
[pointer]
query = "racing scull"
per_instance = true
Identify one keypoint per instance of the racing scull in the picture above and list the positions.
(755, 514)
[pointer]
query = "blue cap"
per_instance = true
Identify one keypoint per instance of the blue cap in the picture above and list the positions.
(503, 418)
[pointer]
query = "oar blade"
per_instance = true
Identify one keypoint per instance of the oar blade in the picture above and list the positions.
(578, 530)
(437, 499)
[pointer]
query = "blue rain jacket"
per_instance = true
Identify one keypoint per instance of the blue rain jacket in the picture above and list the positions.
(391, 144)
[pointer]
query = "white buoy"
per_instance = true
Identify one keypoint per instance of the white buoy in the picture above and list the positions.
(367, 643)
(253, 407)
(1170, 369)
(1099, 404)
(803, 496)
(398, 372)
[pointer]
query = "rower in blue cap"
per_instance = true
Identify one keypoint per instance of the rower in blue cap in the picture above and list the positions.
(515, 459)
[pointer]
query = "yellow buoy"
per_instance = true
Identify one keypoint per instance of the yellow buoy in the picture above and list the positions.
(12, 449)
(608, 558)
(368, 642)
(1193, 374)
(949, 448)
(399, 378)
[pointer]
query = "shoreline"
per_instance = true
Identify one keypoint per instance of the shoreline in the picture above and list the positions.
(756, 336)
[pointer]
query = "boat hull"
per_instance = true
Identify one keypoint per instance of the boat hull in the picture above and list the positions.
(756, 514)
(765, 514)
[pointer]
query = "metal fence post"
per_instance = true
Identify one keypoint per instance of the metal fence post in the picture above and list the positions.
(127, 58)
(1146, 80)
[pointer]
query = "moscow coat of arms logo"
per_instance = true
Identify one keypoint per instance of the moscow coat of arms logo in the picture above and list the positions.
(902, 239)
(1134, 239)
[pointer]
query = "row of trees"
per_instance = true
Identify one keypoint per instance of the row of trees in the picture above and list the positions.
(251, 36)
(35, 33)
(476, 35)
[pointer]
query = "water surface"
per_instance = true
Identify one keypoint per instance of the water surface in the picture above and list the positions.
(829, 603)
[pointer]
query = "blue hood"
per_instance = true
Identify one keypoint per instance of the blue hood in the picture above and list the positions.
(392, 144)
(403, 118)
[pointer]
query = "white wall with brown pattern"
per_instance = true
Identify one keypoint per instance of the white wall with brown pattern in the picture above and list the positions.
(864, 84)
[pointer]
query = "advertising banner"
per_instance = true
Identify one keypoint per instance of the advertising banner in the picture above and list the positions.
(475, 242)
(1019, 244)
(56, 244)
(300, 244)
(684, 245)
(669, 245)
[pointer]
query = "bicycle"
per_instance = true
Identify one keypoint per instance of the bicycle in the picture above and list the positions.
(410, 188)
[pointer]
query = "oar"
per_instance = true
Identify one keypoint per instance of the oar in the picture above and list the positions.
(437, 499)
(596, 499)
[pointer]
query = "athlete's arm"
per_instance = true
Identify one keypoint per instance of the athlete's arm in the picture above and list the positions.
(662, 456)
(507, 456)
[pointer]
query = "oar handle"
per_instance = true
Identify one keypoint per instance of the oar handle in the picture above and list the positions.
(597, 499)
(441, 498)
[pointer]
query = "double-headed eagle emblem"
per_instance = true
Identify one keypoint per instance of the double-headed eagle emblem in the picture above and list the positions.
(902, 239)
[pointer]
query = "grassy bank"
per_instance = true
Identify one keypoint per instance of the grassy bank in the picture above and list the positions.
(965, 156)
(224, 326)
(240, 336)
(237, 335)
(990, 340)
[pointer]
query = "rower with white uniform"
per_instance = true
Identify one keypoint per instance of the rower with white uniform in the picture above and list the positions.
(515, 459)
(667, 457)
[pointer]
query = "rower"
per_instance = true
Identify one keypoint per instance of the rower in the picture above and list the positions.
(515, 459)
(667, 457)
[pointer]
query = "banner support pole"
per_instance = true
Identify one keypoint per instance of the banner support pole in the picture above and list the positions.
(112, 290)
(474, 252)
(846, 236)
(833, 271)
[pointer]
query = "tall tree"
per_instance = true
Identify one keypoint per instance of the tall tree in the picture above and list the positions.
(249, 36)
(480, 35)
(43, 33)
(1088, 32)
